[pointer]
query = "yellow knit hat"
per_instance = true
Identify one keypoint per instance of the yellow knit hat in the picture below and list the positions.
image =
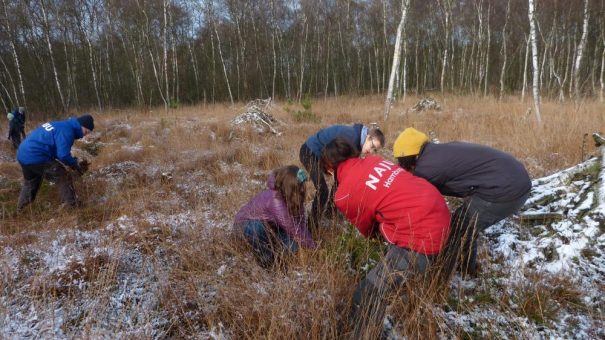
(409, 143)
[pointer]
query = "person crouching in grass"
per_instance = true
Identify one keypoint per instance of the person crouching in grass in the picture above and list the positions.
(493, 184)
(383, 200)
(274, 221)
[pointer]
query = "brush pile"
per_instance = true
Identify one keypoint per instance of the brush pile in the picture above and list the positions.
(257, 115)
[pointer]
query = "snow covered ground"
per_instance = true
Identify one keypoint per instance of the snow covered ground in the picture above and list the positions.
(552, 255)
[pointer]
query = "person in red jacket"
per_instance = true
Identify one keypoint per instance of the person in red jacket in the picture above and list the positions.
(379, 197)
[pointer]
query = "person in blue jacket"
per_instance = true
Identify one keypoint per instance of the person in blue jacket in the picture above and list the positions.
(16, 127)
(46, 152)
(366, 140)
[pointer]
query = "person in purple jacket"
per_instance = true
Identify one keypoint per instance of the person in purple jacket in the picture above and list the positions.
(274, 222)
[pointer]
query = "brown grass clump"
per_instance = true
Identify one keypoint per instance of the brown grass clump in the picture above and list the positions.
(541, 297)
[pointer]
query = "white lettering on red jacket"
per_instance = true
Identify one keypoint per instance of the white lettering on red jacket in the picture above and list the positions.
(379, 171)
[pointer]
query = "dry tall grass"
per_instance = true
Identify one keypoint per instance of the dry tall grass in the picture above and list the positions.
(153, 165)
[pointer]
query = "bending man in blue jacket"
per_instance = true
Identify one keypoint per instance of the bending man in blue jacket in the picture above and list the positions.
(365, 140)
(46, 152)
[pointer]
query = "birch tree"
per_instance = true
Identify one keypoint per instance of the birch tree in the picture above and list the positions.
(220, 52)
(15, 55)
(446, 9)
(396, 57)
(534, 52)
(504, 50)
(601, 78)
(52, 56)
(580, 53)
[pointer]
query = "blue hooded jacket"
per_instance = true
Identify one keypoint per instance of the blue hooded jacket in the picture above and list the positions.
(50, 141)
(324, 136)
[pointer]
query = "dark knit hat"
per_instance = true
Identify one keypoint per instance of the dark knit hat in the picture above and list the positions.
(87, 121)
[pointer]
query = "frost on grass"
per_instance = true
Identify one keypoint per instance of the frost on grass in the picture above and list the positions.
(109, 280)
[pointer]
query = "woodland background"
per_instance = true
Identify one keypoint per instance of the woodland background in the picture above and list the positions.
(58, 55)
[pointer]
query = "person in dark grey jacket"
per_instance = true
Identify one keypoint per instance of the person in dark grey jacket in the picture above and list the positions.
(16, 130)
(493, 184)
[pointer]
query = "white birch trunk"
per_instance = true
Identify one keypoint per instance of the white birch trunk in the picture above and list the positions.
(405, 68)
(273, 29)
(534, 50)
(165, 56)
(220, 52)
(565, 72)
(580, 53)
(601, 78)
(504, 51)
(524, 89)
(571, 68)
(303, 48)
(489, 42)
(446, 6)
(52, 57)
(15, 57)
(396, 57)
(12, 83)
(90, 58)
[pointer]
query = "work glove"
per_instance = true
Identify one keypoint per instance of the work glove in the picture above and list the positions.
(80, 167)
(84, 165)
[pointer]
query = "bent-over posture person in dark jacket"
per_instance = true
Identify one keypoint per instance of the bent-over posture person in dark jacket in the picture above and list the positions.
(16, 127)
(44, 153)
(493, 184)
(365, 140)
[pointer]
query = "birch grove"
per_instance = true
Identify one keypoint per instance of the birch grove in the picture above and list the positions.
(62, 55)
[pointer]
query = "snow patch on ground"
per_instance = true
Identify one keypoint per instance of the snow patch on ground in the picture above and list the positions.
(558, 233)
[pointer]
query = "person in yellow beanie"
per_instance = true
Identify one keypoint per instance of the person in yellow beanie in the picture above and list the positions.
(492, 183)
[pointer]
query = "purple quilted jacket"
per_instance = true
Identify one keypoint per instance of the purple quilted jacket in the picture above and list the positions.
(269, 206)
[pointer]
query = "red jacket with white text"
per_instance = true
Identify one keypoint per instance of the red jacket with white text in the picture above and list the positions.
(409, 211)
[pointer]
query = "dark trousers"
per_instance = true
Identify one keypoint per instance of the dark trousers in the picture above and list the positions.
(397, 268)
(472, 217)
(15, 138)
(322, 192)
(54, 172)
(269, 243)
